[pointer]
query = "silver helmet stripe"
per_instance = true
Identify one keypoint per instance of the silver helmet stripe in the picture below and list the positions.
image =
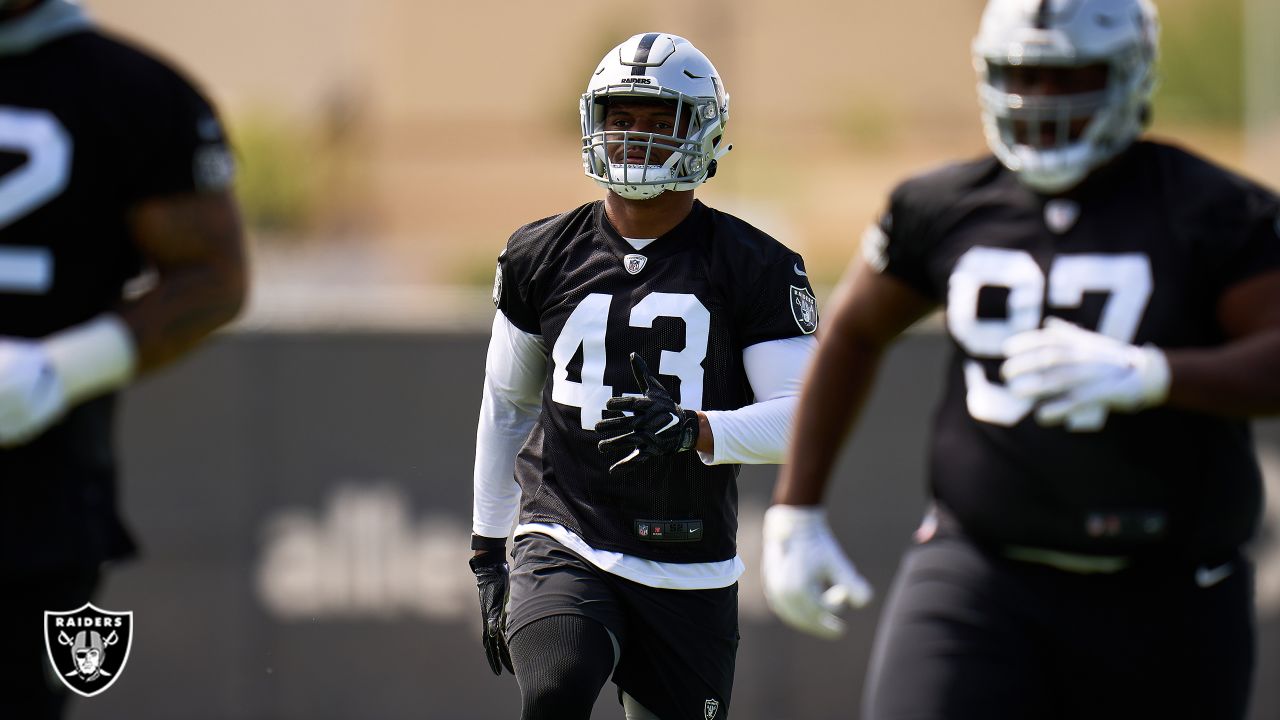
(1042, 15)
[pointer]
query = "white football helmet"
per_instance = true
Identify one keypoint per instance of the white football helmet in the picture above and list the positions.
(1118, 34)
(666, 67)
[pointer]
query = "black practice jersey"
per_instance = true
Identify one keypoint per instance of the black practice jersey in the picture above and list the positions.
(1141, 252)
(89, 127)
(688, 303)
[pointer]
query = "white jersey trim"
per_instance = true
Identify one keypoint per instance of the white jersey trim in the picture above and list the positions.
(667, 576)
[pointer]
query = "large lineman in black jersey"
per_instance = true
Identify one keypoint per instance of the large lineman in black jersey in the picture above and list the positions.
(112, 168)
(644, 347)
(1113, 307)
(689, 304)
(1140, 254)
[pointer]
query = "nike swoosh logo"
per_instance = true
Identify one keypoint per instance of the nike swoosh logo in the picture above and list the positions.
(675, 420)
(799, 272)
(1207, 577)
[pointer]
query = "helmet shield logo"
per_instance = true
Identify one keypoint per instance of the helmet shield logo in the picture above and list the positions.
(88, 647)
(804, 307)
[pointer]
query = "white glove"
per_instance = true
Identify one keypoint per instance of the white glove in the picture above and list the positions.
(1079, 374)
(31, 395)
(41, 379)
(807, 577)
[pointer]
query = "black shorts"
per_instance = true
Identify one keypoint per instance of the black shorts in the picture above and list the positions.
(678, 646)
(969, 633)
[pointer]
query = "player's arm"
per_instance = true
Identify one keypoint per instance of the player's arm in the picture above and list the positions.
(758, 433)
(515, 369)
(1070, 369)
(194, 242)
(754, 434)
(807, 577)
(1241, 377)
(868, 311)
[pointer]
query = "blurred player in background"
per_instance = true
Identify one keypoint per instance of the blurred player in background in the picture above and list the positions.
(695, 325)
(111, 164)
(1114, 305)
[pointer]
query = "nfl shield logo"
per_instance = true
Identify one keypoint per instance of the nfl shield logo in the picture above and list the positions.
(804, 307)
(710, 708)
(1061, 214)
(634, 263)
(88, 647)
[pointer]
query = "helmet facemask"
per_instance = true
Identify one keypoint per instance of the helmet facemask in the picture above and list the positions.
(681, 160)
(1058, 102)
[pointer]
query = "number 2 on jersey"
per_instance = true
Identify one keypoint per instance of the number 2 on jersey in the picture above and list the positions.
(586, 328)
(1126, 278)
(39, 136)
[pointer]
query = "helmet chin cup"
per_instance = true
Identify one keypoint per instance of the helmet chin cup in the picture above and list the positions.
(639, 182)
(1052, 171)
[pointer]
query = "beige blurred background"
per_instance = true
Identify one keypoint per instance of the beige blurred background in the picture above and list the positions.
(389, 147)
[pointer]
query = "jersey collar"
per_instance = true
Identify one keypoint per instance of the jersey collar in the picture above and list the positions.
(51, 20)
(677, 238)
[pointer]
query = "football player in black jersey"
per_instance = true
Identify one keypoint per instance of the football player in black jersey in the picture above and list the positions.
(110, 165)
(644, 346)
(1114, 309)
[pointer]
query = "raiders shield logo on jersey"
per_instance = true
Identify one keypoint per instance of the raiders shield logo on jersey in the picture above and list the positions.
(497, 286)
(710, 708)
(88, 647)
(1060, 214)
(634, 263)
(804, 307)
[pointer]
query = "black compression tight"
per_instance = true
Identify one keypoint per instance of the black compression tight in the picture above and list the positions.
(561, 664)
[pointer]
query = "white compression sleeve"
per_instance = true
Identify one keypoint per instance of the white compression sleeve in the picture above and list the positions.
(514, 373)
(758, 433)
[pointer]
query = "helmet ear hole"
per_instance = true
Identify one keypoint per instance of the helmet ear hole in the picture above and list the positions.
(711, 169)
(1144, 115)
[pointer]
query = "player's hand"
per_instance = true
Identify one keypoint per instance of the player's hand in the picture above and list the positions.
(493, 582)
(31, 394)
(657, 427)
(1070, 370)
(807, 577)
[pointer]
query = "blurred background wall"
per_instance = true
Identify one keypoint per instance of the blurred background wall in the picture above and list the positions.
(399, 142)
(305, 532)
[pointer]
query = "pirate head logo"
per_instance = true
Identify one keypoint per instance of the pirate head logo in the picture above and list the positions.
(88, 647)
(804, 307)
(710, 708)
(634, 263)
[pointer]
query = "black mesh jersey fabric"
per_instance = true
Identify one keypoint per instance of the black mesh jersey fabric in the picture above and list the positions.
(688, 303)
(1143, 251)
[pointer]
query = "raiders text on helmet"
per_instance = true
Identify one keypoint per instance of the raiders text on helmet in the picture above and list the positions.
(1086, 128)
(665, 67)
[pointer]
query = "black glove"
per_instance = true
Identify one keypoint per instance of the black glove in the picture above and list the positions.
(492, 580)
(658, 427)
